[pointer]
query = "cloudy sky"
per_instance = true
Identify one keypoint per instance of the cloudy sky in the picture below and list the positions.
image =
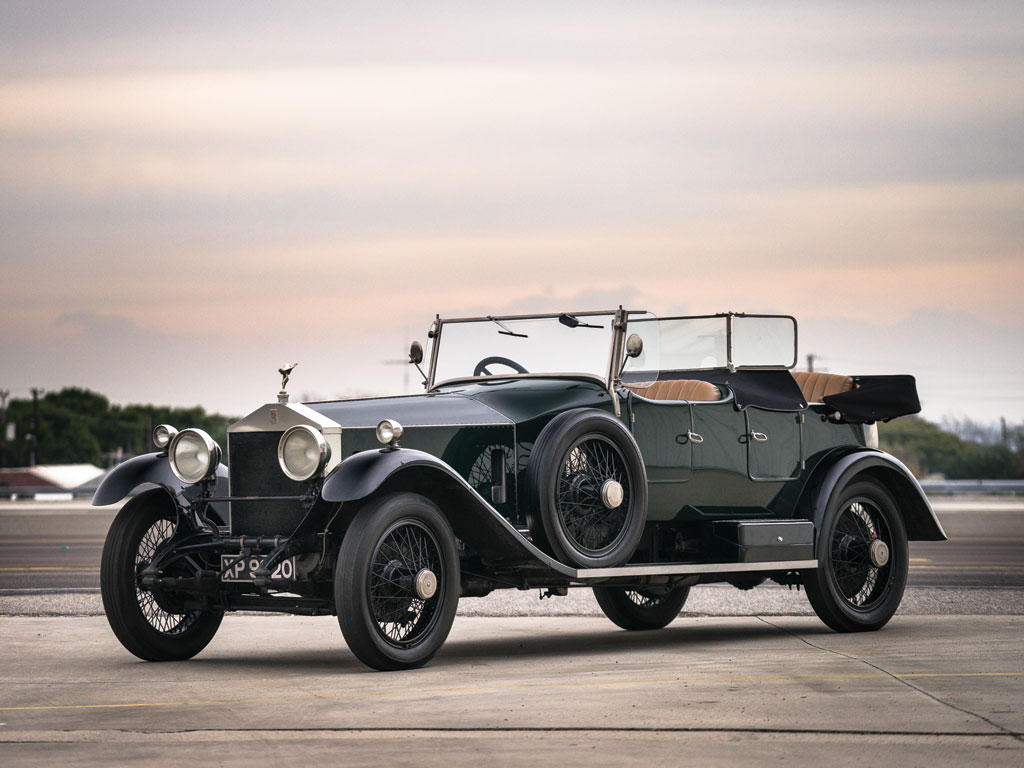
(193, 193)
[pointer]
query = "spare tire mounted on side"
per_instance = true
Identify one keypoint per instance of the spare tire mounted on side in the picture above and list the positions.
(588, 489)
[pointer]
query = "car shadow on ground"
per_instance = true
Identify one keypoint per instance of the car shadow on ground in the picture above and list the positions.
(682, 636)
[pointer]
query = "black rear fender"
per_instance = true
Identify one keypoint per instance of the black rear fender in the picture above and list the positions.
(831, 476)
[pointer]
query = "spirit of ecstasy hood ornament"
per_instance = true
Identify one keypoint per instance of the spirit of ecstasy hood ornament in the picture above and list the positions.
(285, 371)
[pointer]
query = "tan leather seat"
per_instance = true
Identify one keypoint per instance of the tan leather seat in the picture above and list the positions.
(815, 385)
(677, 389)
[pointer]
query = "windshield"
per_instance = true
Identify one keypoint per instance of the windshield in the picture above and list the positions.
(702, 343)
(578, 343)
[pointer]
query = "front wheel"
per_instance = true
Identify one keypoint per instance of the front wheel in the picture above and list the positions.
(153, 625)
(638, 609)
(862, 560)
(396, 586)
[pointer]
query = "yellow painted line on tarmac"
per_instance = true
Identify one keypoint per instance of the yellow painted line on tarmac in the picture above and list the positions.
(516, 686)
(56, 540)
(968, 567)
(920, 559)
(49, 568)
(988, 539)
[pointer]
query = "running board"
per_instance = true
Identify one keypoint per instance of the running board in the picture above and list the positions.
(680, 569)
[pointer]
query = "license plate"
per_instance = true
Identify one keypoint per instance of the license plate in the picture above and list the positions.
(233, 569)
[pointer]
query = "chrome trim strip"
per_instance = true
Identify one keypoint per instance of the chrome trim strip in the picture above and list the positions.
(671, 569)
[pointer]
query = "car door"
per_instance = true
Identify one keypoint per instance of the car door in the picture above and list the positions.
(774, 441)
(664, 432)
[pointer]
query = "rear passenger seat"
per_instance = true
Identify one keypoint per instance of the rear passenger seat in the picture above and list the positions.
(815, 385)
(676, 389)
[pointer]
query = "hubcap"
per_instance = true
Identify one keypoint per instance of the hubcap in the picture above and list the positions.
(611, 493)
(879, 553)
(426, 584)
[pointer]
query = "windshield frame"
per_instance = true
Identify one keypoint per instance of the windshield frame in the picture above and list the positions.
(730, 364)
(615, 316)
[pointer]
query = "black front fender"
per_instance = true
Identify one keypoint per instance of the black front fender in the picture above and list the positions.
(472, 518)
(921, 522)
(148, 468)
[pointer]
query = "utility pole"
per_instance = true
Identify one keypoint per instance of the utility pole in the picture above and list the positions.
(810, 361)
(404, 361)
(36, 392)
(3, 426)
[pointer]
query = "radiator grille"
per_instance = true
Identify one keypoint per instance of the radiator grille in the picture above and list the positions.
(255, 472)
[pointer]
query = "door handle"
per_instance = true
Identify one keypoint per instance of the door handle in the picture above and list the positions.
(759, 437)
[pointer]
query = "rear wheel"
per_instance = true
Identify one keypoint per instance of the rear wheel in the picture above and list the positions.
(396, 587)
(153, 625)
(862, 560)
(638, 609)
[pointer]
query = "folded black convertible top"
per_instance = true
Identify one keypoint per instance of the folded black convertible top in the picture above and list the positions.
(876, 398)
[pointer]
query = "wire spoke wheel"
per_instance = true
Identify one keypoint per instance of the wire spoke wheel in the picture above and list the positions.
(153, 624)
(862, 560)
(396, 584)
(587, 489)
(153, 610)
(588, 522)
(401, 615)
(640, 608)
(858, 579)
(644, 599)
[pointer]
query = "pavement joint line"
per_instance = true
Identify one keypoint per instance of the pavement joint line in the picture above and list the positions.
(20, 738)
(902, 679)
(577, 684)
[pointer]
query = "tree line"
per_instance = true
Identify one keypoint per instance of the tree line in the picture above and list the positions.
(960, 450)
(76, 426)
(80, 426)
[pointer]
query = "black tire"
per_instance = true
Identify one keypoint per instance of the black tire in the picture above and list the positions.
(640, 609)
(574, 455)
(153, 626)
(852, 591)
(385, 621)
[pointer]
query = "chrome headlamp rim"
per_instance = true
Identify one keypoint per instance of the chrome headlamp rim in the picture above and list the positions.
(163, 434)
(320, 443)
(213, 455)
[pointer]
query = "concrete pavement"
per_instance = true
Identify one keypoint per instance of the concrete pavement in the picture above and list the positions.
(935, 690)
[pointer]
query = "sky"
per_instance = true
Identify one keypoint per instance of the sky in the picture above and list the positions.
(192, 194)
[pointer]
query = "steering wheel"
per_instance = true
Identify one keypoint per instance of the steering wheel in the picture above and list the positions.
(481, 367)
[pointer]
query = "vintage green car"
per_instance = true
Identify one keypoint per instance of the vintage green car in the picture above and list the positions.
(634, 455)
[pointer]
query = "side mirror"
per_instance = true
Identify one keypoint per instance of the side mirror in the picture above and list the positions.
(416, 357)
(634, 345)
(416, 353)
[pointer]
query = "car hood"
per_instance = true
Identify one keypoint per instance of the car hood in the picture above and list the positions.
(502, 401)
(435, 409)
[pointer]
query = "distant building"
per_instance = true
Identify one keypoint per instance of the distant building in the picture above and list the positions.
(56, 476)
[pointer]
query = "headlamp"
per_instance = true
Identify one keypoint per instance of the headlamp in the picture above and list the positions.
(389, 432)
(163, 435)
(193, 455)
(302, 452)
